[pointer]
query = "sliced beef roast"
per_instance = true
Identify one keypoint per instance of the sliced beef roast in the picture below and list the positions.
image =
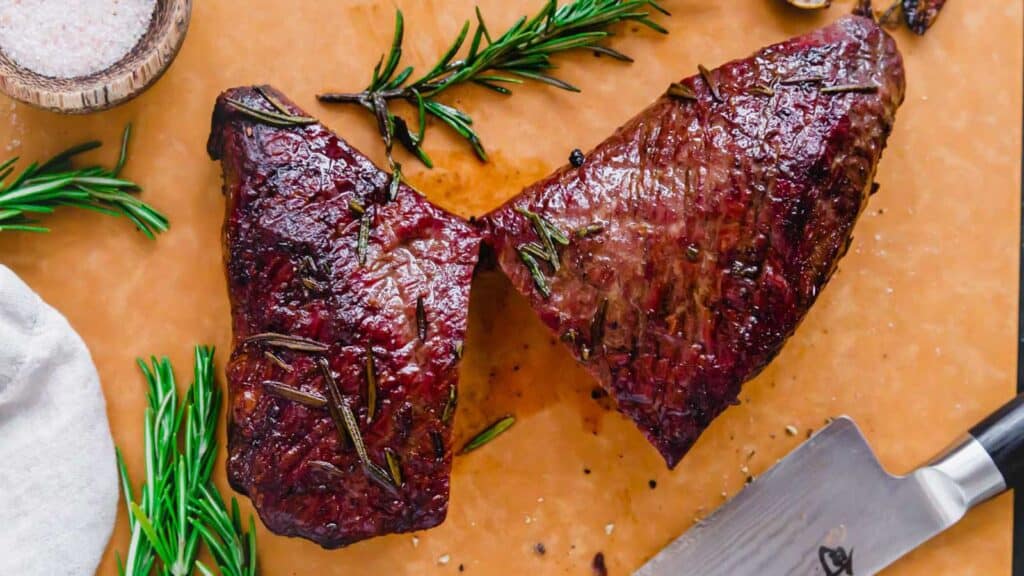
(349, 309)
(683, 251)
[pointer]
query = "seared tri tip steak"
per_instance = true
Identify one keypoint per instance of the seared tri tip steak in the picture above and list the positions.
(683, 251)
(321, 339)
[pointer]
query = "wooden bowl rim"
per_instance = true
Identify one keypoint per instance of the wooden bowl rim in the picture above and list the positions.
(122, 81)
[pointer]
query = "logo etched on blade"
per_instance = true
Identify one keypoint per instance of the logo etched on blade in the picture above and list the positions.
(836, 561)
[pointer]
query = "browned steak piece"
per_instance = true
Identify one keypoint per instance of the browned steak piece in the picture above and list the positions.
(388, 331)
(683, 251)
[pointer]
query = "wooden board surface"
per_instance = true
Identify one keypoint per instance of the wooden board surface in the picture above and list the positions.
(914, 337)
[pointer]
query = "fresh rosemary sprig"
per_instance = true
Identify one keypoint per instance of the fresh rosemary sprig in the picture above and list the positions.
(523, 52)
(42, 188)
(178, 504)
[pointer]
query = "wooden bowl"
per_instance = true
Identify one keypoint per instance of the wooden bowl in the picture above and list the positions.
(122, 81)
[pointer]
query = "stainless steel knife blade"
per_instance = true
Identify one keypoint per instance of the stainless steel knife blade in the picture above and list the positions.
(829, 508)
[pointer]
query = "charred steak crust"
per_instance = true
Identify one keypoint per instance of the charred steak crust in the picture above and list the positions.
(291, 234)
(701, 232)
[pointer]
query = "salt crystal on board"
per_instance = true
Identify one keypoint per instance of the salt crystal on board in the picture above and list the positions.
(70, 38)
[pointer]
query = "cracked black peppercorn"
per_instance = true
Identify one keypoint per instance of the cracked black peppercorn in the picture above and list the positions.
(576, 158)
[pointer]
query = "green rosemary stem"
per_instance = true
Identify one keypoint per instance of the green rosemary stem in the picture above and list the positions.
(521, 53)
(41, 189)
(178, 505)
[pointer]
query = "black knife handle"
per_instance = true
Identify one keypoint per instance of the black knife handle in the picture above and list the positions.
(1002, 436)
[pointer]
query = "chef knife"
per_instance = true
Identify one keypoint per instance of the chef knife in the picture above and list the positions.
(829, 508)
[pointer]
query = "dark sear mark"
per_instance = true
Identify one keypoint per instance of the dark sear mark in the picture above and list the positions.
(421, 319)
(438, 442)
(597, 325)
(598, 565)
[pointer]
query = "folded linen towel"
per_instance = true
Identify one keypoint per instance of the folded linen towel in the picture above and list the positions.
(58, 475)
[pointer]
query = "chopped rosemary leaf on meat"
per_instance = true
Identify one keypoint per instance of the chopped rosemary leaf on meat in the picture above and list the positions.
(450, 405)
(421, 319)
(371, 385)
(681, 92)
(294, 394)
(394, 466)
(287, 342)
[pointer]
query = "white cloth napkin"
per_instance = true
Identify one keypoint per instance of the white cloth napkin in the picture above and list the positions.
(58, 475)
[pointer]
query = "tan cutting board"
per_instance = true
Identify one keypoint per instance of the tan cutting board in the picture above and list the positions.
(915, 337)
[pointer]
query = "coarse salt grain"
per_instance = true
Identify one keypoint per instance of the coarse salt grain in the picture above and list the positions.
(70, 38)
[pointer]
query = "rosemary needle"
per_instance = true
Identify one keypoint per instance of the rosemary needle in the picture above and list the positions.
(496, 62)
(371, 385)
(394, 466)
(490, 433)
(294, 394)
(450, 405)
(288, 342)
